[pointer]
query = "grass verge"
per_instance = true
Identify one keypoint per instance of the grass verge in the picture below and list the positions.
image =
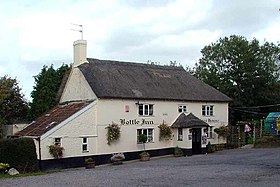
(6, 176)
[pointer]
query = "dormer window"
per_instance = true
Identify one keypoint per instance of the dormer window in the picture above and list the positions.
(145, 109)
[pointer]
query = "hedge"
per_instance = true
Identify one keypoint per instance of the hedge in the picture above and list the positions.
(19, 153)
(268, 141)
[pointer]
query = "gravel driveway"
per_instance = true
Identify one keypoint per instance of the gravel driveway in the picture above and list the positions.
(238, 167)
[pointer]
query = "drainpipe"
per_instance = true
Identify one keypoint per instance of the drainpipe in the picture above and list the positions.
(40, 154)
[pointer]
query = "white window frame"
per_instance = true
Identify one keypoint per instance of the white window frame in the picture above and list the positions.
(210, 132)
(180, 134)
(147, 109)
(182, 108)
(57, 141)
(149, 132)
(207, 110)
(84, 143)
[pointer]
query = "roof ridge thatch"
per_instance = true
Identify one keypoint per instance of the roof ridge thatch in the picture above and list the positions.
(130, 80)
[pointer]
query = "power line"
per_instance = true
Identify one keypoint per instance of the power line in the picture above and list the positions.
(261, 106)
(251, 112)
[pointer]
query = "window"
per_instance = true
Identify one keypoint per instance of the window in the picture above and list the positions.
(148, 132)
(207, 110)
(85, 145)
(182, 108)
(180, 134)
(145, 109)
(209, 132)
(57, 141)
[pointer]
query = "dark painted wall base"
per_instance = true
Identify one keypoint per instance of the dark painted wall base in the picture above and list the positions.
(74, 162)
(188, 152)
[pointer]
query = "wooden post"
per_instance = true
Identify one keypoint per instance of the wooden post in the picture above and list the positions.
(261, 127)
(254, 137)
(239, 136)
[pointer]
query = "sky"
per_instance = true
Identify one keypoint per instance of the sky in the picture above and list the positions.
(36, 33)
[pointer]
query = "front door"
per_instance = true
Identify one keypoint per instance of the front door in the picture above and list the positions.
(196, 141)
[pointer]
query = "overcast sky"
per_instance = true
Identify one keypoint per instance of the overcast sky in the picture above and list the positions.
(36, 33)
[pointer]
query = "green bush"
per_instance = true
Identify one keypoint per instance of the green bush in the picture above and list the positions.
(19, 153)
(268, 141)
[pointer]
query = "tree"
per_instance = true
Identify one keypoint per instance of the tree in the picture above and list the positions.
(44, 93)
(13, 106)
(246, 71)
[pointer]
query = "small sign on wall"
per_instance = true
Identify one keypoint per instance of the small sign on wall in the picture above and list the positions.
(204, 139)
(126, 108)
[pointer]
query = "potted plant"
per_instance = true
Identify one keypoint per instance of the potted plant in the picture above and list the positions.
(56, 151)
(210, 148)
(178, 152)
(117, 158)
(89, 163)
(144, 156)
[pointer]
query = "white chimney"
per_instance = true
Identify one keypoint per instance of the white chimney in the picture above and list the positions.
(80, 52)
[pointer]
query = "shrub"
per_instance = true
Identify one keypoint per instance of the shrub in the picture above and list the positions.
(4, 166)
(268, 141)
(19, 153)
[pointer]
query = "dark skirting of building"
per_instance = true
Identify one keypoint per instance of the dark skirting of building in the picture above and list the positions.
(74, 162)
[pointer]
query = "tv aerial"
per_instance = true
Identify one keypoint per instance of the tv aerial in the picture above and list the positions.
(79, 28)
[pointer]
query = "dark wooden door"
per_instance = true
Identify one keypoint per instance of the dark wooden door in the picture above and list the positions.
(196, 141)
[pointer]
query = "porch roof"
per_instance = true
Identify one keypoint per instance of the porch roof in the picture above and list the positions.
(188, 121)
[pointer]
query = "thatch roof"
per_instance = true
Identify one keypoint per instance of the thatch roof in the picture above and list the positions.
(113, 79)
(188, 121)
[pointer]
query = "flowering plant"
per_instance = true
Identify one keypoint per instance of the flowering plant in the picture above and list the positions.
(165, 132)
(88, 160)
(222, 131)
(4, 166)
(56, 151)
(117, 157)
(113, 133)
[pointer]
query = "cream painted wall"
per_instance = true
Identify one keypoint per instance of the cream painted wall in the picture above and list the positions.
(71, 134)
(113, 110)
(92, 124)
(77, 88)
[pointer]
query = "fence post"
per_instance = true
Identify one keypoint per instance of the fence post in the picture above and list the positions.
(261, 128)
(254, 137)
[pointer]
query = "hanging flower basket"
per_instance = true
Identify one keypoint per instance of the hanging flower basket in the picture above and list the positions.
(113, 133)
(165, 132)
(56, 151)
